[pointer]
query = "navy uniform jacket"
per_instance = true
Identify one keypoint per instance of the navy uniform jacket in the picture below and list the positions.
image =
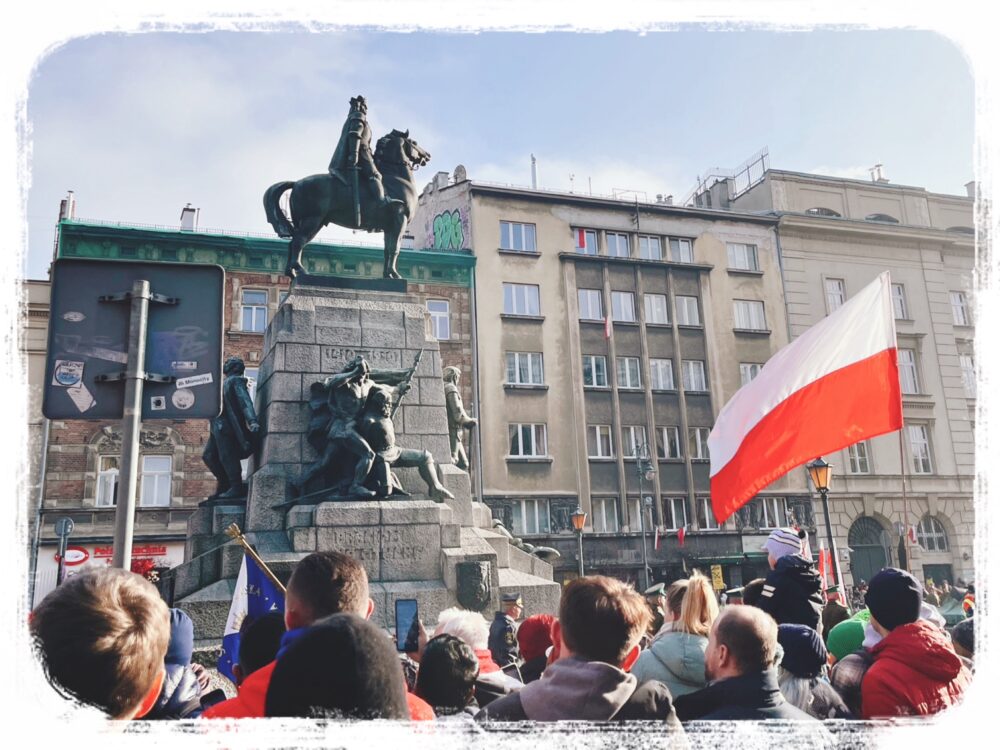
(503, 640)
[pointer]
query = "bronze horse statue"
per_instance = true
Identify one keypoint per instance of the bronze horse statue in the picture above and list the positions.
(321, 199)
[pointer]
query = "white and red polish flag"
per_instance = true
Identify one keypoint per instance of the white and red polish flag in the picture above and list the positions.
(607, 326)
(835, 385)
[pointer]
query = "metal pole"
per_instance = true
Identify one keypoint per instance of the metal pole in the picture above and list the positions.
(131, 423)
(579, 539)
(642, 524)
(61, 575)
(829, 535)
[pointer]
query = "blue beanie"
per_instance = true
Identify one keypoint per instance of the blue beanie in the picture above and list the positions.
(805, 653)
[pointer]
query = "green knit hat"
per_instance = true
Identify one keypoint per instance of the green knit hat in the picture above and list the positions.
(845, 637)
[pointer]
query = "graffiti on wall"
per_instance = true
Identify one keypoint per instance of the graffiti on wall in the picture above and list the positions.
(449, 233)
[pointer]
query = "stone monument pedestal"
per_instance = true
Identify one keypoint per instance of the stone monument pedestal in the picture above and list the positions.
(411, 547)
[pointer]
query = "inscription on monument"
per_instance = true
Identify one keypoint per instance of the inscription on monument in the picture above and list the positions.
(360, 543)
(337, 356)
(394, 546)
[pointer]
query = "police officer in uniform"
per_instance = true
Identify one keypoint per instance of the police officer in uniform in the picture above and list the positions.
(656, 598)
(503, 630)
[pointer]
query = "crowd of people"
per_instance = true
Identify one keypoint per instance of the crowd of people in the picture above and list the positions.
(774, 650)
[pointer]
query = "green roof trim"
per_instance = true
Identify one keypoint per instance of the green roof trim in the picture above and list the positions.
(252, 254)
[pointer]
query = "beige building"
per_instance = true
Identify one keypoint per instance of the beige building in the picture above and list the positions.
(603, 326)
(835, 236)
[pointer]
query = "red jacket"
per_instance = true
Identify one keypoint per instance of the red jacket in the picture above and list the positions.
(249, 702)
(916, 672)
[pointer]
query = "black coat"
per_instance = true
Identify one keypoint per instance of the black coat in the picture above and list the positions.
(753, 696)
(503, 640)
(180, 697)
(792, 593)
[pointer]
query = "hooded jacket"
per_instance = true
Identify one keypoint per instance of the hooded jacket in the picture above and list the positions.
(916, 672)
(180, 697)
(677, 660)
(792, 592)
(573, 689)
(754, 696)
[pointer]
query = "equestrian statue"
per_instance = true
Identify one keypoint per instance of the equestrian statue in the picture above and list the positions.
(360, 190)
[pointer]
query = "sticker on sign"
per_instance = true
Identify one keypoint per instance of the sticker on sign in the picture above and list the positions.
(177, 365)
(194, 380)
(67, 373)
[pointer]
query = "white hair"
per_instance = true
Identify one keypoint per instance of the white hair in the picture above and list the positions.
(471, 627)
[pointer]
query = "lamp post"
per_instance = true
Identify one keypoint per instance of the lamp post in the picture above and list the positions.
(579, 519)
(644, 467)
(821, 472)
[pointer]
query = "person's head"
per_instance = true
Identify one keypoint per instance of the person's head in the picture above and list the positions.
(451, 375)
(753, 590)
(534, 636)
(358, 102)
(448, 672)
(260, 639)
(601, 619)
(699, 607)
(675, 599)
(970, 589)
(743, 640)
(326, 583)
(656, 595)
(234, 366)
(781, 542)
(833, 594)
(734, 595)
(382, 402)
(342, 667)
(804, 650)
(894, 598)
(963, 638)
(471, 627)
(845, 638)
(102, 637)
(512, 605)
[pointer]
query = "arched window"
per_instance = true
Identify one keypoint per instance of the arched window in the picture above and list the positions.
(822, 211)
(931, 535)
(961, 230)
(884, 218)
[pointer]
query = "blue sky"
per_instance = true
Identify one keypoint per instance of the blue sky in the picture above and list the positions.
(138, 125)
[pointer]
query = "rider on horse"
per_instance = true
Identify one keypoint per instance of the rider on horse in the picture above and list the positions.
(354, 153)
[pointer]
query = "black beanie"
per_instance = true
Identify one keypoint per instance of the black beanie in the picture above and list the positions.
(964, 635)
(894, 598)
(342, 667)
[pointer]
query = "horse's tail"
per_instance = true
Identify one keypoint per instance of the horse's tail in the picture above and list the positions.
(275, 216)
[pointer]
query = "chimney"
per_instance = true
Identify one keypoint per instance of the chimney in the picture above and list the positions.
(669, 200)
(534, 173)
(189, 218)
(970, 188)
(67, 206)
(876, 173)
(440, 180)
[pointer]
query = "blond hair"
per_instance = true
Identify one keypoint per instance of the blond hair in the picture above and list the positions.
(698, 607)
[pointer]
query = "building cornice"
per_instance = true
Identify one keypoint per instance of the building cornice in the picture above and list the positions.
(804, 224)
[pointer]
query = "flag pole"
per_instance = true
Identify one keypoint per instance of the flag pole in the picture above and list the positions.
(906, 503)
(233, 532)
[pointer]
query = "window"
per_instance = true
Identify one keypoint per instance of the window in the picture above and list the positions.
(440, 318)
(675, 514)
(107, 481)
(821, 211)
(599, 443)
(633, 440)
(960, 309)
(604, 511)
(931, 535)
(687, 311)
(885, 218)
(706, 517)
(668, 442)
(680, 251)
(623, 307)
(520, 299)
(661, 375)
(253, 313)
(531, 516)
(748, 371)
(617, 244)
(968, 365)
(774, 512)
(858, 458)
(656, 308)
(517, 237)
(649, 248)
(899, 302)
(742, 256)
(836, 293)
(586, 241)
(920, 448)
(527, 439)
(907, 361)
(693, 375)
(698, 442)
(525, 368)
(595, 370)
(749, 315)
(591, 307)
(628, 372)
(155, 481)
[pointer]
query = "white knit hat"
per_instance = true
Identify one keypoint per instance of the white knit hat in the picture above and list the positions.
(783, 542)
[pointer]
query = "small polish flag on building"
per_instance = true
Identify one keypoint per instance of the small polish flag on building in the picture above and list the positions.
(835, 385)
(680, 535)
(607, 326)
(656, 538)
(911, 532)
(581, 239)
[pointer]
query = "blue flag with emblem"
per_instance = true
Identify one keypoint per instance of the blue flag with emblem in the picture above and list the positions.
(255, 595)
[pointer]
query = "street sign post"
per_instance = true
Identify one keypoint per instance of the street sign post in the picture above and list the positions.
(64, 527)
(172, 325)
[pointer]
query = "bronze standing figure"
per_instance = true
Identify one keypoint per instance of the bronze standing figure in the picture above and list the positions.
(233, 434)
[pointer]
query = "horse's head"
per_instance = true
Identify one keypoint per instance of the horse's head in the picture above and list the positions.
(398, 146)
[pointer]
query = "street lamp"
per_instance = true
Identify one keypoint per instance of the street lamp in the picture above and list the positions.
(579, 519)
(644, 467)
(821, 472)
